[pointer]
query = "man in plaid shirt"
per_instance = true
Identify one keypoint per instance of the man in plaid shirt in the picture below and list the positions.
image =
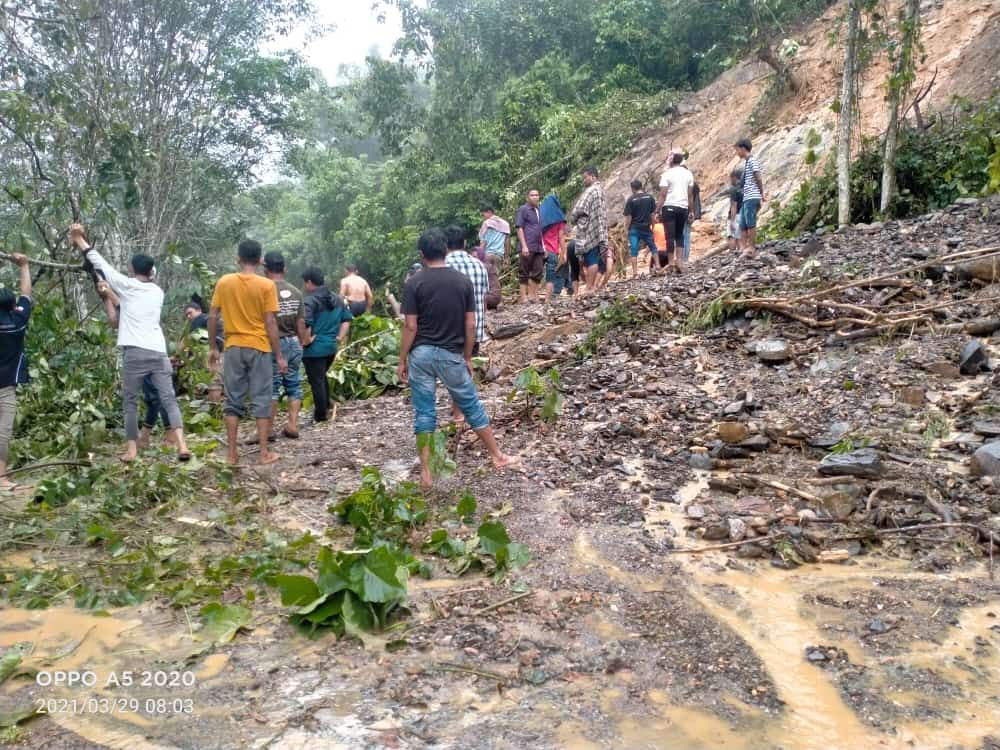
(476, 272)
(590, 217)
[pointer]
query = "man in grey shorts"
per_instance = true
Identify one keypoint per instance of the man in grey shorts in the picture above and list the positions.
(249, 304)
(144, 348)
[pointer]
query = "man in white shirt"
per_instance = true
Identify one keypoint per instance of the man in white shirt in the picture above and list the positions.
(144, 348)
(676, 201)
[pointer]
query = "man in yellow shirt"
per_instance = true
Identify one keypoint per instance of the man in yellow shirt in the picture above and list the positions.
(249, 304)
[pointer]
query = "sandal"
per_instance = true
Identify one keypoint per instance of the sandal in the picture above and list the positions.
(184, 457)
(290, 434)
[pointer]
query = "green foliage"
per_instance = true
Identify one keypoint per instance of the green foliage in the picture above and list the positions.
(221, 622)
(710, 314)
(352, 593)
(489, 550)
(379, 512)
(366, 366)
(441, 464)
(850, 443)
(958, 155)
(534, 387)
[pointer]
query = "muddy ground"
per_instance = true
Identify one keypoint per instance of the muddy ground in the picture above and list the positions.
(627, 638)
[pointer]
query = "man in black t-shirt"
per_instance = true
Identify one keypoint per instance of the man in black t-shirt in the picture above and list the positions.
(438, 337)
(639, 210)
(14, 314)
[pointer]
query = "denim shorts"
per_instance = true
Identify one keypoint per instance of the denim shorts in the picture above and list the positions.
(429, 364)
(748, 213)
(636, 238)
(291, 382)
(593, 257)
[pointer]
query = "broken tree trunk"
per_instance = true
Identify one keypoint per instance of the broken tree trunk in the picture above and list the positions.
(899, 84)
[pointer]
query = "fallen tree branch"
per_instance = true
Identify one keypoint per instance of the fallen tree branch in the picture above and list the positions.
(502, 603)
(712, 548)
(45, 263)
(50, 464)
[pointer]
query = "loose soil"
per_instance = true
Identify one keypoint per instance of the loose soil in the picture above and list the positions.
(627, 639)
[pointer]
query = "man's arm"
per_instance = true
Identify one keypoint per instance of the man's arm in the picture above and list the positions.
(110, 301)
(369, 298)
(271, 325)
(405, 344)
(343, 288)
(21, 261)
(213, 343)
(345, 329)
(522, 241)
(118, 281)
(470, 337)
(690, 202)
(303, 333)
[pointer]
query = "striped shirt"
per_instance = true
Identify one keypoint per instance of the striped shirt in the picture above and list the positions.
(476, 272)
(750, 189)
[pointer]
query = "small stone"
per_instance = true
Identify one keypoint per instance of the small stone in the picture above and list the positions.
(773, 350)
(733, 408)
(988, 428)
(701, 462)
(973, 358)
(715, 532)
(839, 505)
(737, 529)
(986, 461)
(733, 432)
(834, 434)
(877, 626)
(816, 655)
(864, 462)
(695, 511)
(944, 369)
(755, 443)
(912, 395)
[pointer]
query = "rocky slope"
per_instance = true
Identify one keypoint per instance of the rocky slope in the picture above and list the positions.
(960, 40)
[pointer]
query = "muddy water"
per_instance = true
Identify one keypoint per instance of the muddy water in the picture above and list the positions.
(765, 608)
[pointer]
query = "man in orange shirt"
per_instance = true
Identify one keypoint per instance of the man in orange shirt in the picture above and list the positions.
(249, 304)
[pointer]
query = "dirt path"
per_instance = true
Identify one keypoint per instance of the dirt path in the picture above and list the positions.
(622, 641)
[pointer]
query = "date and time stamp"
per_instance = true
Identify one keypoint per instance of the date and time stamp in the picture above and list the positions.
(164, 693)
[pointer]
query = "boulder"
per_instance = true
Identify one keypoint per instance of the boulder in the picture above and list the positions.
(986, 461)
(839, 505)
(864, 462)
(988, 428)
(737, 529)
(733, 432)
(973, 358)
(773, 350)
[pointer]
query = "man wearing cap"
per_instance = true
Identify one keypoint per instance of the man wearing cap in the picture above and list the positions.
(292, 333)
(144, 348)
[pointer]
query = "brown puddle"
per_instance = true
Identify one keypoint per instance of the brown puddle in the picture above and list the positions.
(765, 608)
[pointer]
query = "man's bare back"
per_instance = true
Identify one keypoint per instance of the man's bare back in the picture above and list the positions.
(358, 294)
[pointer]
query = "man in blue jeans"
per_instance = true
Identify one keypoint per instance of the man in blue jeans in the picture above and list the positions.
(639, 211)
(292, 334)
(439, 334)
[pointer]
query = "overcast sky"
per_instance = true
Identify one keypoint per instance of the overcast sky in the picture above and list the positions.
(355, 34)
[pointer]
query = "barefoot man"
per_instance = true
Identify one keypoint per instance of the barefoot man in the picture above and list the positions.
(356, 291)
(438, 339)
(249, 305)
(144, 348)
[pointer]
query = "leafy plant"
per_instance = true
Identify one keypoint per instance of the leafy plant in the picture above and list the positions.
(353, 593)
(379, 512)
(850, 443)
(535, 387)
(490, 550)
(710, 314)
(936, 426)
(366, 366)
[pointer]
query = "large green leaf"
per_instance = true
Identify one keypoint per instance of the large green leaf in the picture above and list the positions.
(381, 577)
(296, 590)
(333, 576)
(221, 622)
(492, 537)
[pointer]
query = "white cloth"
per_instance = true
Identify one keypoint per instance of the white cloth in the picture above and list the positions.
(677, 180)
(141, 306)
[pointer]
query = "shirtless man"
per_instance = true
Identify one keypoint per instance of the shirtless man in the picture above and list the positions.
(356, 291)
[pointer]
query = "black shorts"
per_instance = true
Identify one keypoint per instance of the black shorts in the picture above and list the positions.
(530, 267)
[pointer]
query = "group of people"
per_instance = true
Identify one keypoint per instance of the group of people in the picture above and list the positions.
(273, 330)
(557, 252)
